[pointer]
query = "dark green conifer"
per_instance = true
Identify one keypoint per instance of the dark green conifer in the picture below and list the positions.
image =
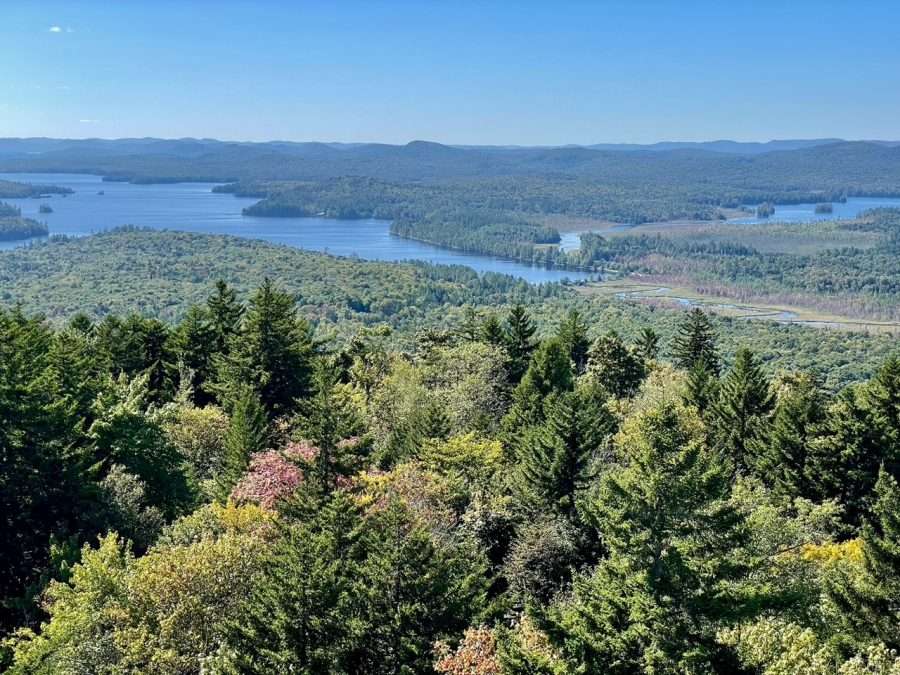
(492, 331)
(572, 334)
(519, 341)
(273, 353)
(248, 432)
(695, 342)
(647, 344)
(225, 315)
(868, 602)
(742, 409)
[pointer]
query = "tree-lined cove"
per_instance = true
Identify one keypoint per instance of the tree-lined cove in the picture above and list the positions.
(96, 205)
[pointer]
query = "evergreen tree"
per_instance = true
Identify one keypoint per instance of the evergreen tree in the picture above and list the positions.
(647, 344)
(273, 352)
(674, 540)
(883, 397)
(138, 345)
(549, 374)
(572, 334)
(191, 344)
(347, 592)
(519, 342)
(741, 411)
(248, 432)
(225, 315)
(553, 462)
(701, 388)
(867, 602)
(781, 457)
(300, 617)
(847, 453)
(492, 331)
(44, 479)
(615, 366)
(469, 329)
(416, 591)
(329, 418)
(696, 342)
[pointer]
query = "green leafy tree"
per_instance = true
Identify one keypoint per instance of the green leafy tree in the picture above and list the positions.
(126, 431)
(695, 341)
(742, 409)
(616, 366)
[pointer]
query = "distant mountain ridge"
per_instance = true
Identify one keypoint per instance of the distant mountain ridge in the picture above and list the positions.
(852, 166)
(187, 147)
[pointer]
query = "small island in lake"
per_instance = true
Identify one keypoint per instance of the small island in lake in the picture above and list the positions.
(825, 207)
(45, 208)
(765, 210)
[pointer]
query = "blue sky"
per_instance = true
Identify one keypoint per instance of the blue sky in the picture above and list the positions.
(456, 72)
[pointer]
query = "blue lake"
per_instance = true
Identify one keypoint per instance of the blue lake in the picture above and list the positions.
(784, 213)
(193, 207)
(806, 213)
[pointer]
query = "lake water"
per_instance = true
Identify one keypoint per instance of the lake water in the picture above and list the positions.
(784, 213)
(806, 213)
(193, 207)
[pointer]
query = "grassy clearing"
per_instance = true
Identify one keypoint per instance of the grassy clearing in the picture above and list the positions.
(679, 296)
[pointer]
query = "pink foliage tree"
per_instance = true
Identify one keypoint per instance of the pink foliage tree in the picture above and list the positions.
(272, 475)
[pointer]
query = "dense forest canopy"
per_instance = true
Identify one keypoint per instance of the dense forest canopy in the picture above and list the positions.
(160, 274)
(234, 493)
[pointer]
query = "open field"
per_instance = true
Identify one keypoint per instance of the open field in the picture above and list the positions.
(674, 296)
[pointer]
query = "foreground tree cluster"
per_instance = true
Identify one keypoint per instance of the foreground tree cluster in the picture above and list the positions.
(234, 495)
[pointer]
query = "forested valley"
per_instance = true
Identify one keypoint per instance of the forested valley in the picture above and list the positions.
(518, 489)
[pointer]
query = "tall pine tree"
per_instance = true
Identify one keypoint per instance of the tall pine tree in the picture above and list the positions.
(273, 353)
(572, 334)
(519, 342)
(225, 315)
(742, 409)
(696, 342)
(674, 540)
(868, 602)
(554, 461)
(248, 432)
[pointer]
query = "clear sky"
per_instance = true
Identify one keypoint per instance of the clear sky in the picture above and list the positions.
(456, 71)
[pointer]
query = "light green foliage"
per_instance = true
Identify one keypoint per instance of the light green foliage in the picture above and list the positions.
(164, 612)
(615, 366)
(200, 436)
